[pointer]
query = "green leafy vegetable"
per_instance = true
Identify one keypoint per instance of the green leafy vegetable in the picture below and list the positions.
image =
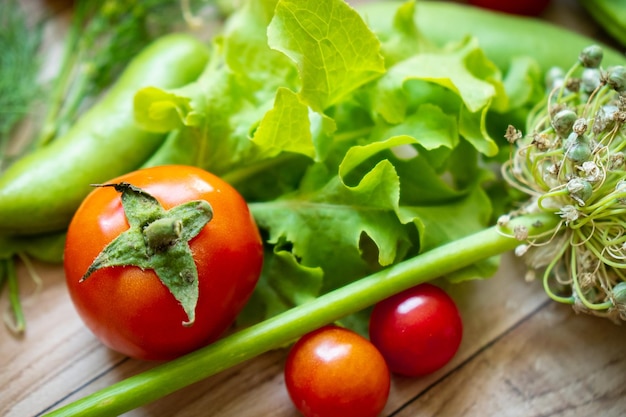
(349, 165)
(332, 47)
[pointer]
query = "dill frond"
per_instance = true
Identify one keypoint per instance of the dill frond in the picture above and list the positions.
(19, 68)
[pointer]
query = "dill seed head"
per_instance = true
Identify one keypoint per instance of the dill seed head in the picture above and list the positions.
(590, 80)
(512, 134)
(577, 148)
(617, 78)
(563, 122)
(579, 190)
(591, 56)
(573, 166)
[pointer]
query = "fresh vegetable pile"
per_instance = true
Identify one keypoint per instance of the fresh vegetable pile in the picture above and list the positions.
(363, 148)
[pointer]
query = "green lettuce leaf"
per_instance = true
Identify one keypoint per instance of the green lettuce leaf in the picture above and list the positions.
(325, 226)
(275, 294)
(400, 38)
(286, 127)
(474, 83)
(334, 50)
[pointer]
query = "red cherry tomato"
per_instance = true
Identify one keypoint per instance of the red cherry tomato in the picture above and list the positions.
(334, 372)
(521, 7)
(417, 331)
(130, 309)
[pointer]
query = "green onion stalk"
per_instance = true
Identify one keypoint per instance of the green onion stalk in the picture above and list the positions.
(571, 230)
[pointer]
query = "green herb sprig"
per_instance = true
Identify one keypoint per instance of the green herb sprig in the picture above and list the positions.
(19, 66)
(103, 37)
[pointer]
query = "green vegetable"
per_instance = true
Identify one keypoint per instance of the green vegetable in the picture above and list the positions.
(44, 247)
(40, 192)
(611, 15)
(502, 37)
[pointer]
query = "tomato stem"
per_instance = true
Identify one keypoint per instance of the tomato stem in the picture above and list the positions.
(158, 239)
(290, 325)
(163, 233)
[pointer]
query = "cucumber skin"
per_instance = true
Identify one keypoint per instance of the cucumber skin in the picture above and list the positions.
(40, 192)
(501, 36)
(610, 15)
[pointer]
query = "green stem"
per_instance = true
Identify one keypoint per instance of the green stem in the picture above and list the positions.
(577, 288)
(63, 82)
(73, 99)
(55, 102)
(287, 327)
(16, 320)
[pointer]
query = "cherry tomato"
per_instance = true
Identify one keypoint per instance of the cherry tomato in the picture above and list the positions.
(417, 331)
(521, 7)
(334, 372)
(130, 309)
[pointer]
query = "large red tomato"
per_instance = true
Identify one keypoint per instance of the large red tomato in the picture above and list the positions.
(334, 372)
(128, 308)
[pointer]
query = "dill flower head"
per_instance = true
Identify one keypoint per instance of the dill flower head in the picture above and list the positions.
(571, 163)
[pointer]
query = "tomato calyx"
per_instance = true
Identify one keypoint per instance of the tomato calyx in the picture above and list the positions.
(158, 239)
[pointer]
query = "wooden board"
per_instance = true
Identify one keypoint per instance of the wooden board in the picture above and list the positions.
(522, 354)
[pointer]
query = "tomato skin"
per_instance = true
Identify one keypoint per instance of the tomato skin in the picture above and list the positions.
(417, 331)
(520, 7)
(334, 372)
(131, 310)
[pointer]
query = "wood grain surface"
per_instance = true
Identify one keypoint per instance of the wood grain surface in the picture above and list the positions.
(521, 355)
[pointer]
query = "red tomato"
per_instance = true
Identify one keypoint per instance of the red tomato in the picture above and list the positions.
(130, 309)
(334, 372)
(521, 7)
(417, 331)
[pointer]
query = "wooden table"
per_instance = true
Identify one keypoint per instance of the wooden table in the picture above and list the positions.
(522, 354)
